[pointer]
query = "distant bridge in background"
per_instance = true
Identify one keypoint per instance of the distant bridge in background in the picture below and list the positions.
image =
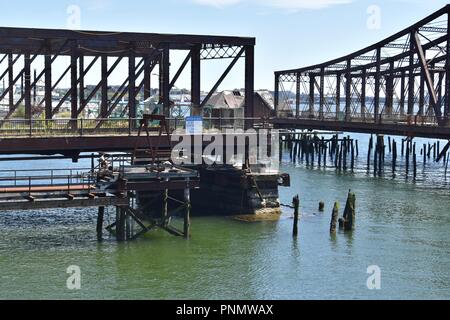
(399, 86)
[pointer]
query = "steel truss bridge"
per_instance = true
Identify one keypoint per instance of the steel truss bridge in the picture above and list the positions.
(81, 54)
(400, 85)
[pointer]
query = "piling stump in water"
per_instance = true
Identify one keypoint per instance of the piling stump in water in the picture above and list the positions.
(334, 217)
(296, 204)
(347, 222)
(321, 206)
(100, 218)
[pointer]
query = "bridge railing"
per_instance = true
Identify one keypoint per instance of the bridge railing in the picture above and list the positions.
(113, 126)
(32, 178)
(405, 119)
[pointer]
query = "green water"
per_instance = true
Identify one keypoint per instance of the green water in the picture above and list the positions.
(402, 226)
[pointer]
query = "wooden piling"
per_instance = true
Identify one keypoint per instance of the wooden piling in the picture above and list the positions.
(344, 154)
(357, 148)
(414, 161)
(434, 151)
(424, 154)
(352, 156)
(350, 212)
(375, 159)
(334, 218)
(389, 145)
(187, 214)
(321, 206)
(394, 156)
(336, 158)
(446, 166)
(120, 224)
(296, 205)
(369, 152)
(407, 158)
(100, 218)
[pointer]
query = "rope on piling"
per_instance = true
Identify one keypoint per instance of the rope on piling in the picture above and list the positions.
(286, 206)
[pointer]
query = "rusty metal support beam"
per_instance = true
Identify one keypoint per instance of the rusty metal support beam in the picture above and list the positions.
(48, 86)
(390, 90)
(363, 92)
(402, 92)
(132, 85)
(104, 86)
(74, 83)
(249, 83)
(81, 81)
(427, 75)
(277, 92)
(377, 87)
(196, 79)
(147, 79)
(338, 93)
(297, 95)
(411, 76)
(10, 80)
(446, 99)
(322, 93)
(312, 81)
(165, 80)
(27, 93)
(348, 90)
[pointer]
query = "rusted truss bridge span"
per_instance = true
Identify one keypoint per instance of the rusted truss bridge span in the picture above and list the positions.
(398, 86)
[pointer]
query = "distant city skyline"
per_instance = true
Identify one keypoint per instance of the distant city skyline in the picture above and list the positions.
(289, 33)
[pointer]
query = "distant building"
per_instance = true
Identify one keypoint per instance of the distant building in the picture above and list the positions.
(228, 106)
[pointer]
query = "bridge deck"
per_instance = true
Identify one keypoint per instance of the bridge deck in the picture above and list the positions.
(389, 128)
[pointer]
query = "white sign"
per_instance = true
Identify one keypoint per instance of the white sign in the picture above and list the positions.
(194, 125)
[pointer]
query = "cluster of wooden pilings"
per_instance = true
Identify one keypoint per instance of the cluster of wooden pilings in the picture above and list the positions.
(409, 150)
(312, 150)
(342, 153)
(345, 223)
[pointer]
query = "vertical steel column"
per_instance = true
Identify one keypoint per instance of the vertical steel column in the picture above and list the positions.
(377, 116)
(363, 92)
(402, 93)
(196, 80)
(27, 92)
(440, 87)
(277, 93)
(312, 80)
(411, 76)
(132, 85)
(10, 81)
(348, 91)
(81, 90)
(165, 80)
(422, 94)
(35, 86)
(447, 75)
(104, 87)
(48, 86)
(390, 90)
(74, 83)
(338, 94)
(322, 92)
(297, 95)
(249, 84)
(147, 79)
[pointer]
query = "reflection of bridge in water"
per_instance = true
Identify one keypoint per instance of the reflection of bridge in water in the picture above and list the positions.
(399, 86)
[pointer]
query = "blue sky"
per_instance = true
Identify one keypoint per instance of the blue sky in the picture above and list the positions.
(289, 33)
